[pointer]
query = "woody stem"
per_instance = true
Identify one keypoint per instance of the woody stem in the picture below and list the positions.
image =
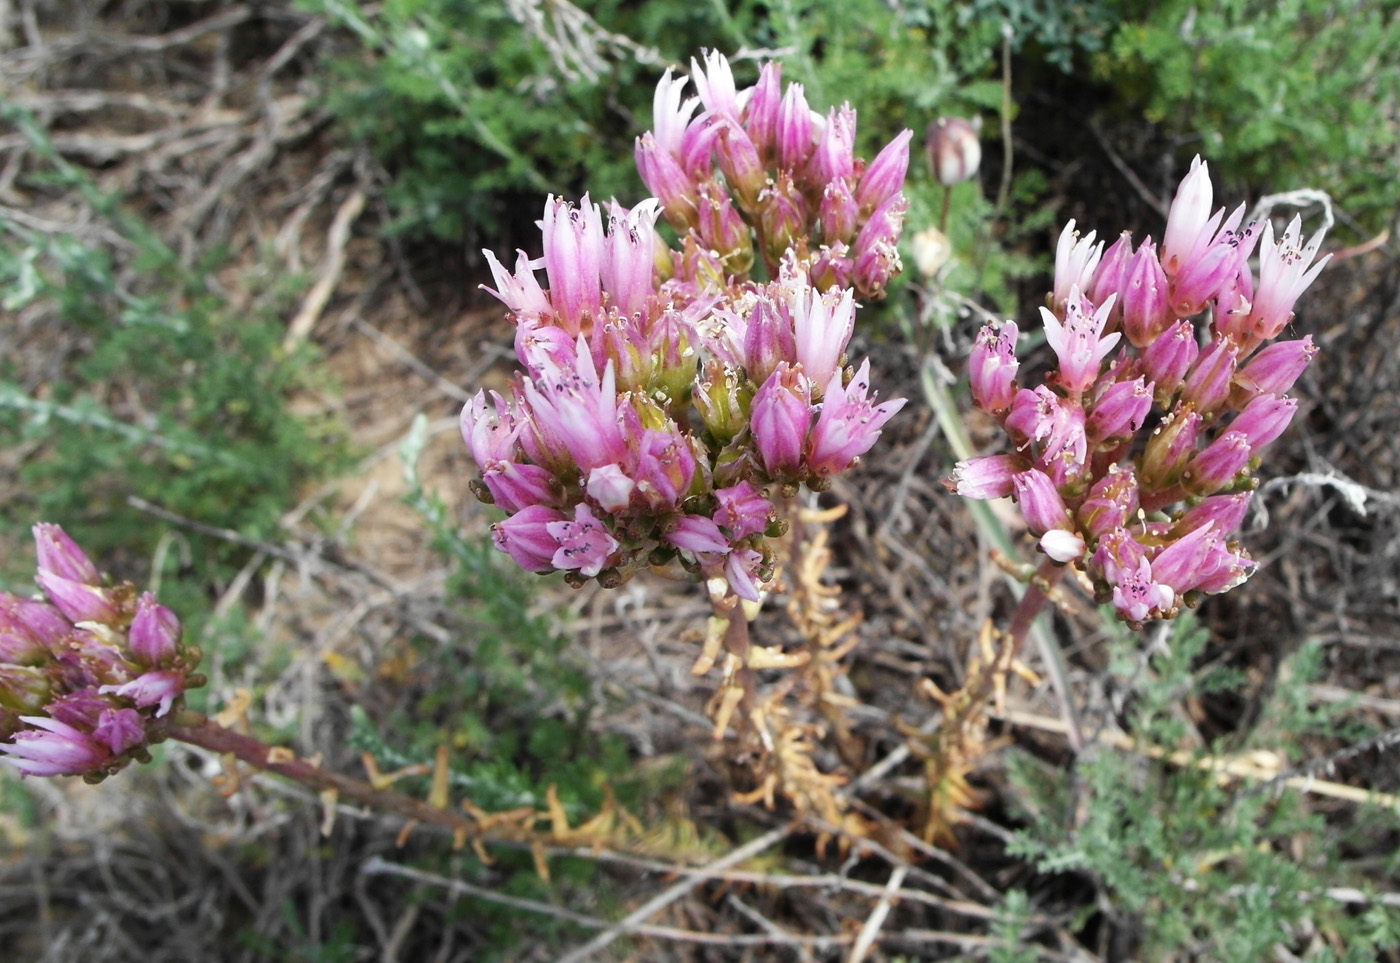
(198, 730)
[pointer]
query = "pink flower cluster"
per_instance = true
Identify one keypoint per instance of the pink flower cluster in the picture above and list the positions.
(1137, 462)
(665, 396)
(87, 676)
(787, 180)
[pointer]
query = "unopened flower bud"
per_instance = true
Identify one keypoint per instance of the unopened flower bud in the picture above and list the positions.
(61, 555)
(738, 159)
(154, 637)
(1207, 384)
(885, 176)
(1040, 502)
(1146, 312)
(836, 144)
(762, 112)
(987, 476)
(954, 152)
(668, 182)
(1273, 370)
(78, 601)
(1264, 419)
(838, 212)
(723, 401)
(1119, 412)
(1217, 465)
(1225, 512)
(782, 217)
(1111, 276)
(1169, 357)
(1112, 502)
(780, 417)
(992, 367)
(794, 130)
(722, 229)
(1169, 448)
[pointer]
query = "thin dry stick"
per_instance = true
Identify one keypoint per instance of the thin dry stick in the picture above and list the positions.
(377, 866)
(1248, 766)
(876, 920)
(632, 922)
(331, 266)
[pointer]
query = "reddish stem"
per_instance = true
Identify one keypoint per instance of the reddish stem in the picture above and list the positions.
(1037, 593)
(207, 734)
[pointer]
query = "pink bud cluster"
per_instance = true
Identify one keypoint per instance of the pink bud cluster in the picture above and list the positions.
(88, 676)
(760, 167)
(1136, 456)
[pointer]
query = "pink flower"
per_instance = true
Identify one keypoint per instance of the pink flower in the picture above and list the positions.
(157, 688)
(584, 544)
(698, 535)
(520, 292)
(738, 159)
(525, 537)
(669, 114)
(1188, 219)
(579, 409)
(664, 177)
(715, 84)
(515, 485)
(1274, 369)
(1076, 259)
(1284, 274)
(822, 326)
(849, 423)
(836, 142)
(838, 211)
(991, 370)
(78, 601)
(52, 748)
(610, 487)
(762, 111)
(573, 259)
(742, 510)
(1040, 502)
(665, 467)
(489, 431)
(743, 568)
(1146, 311)
(1169, 357)
(876, 249)
(120, 730)
(1207, 384)
(628, 260)
(1120, 411)
(1264, 419)
(1079, 343)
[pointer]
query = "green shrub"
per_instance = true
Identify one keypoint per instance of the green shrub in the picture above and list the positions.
(1192, 864)
(1300, 93)
(142, 382)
